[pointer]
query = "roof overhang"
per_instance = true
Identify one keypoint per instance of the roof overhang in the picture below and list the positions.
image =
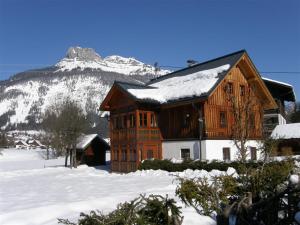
(280, 90)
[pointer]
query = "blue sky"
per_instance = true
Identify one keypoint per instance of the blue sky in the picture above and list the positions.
(34, 33)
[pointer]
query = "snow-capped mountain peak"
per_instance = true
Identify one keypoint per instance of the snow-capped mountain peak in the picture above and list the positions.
(82, 54)
(82, 75)
(78, 58)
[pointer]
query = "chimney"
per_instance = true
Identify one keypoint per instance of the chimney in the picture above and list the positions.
(191, 62)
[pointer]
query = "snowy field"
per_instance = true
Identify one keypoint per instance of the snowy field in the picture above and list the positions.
(37, 191)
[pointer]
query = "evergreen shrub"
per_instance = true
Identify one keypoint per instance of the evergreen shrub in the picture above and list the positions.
(169, 166)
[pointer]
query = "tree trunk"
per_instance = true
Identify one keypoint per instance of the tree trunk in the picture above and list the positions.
(47, 153)
(66, 158)
(74, 156)
(71, 158)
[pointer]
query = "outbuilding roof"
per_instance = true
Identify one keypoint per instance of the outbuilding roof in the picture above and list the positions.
(286, 131)
(85, 140)
(280, 90)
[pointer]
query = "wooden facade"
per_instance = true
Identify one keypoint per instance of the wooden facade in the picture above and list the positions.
(218, 103)
(137, 129)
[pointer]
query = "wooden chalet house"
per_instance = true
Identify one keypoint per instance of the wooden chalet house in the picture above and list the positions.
(184, 114)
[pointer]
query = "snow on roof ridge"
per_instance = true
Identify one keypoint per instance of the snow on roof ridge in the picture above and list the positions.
(84, 140)
(194, 84)
(276, 81)
(286, 131)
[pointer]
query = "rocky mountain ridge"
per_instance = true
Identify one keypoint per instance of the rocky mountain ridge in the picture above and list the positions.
(82, 76)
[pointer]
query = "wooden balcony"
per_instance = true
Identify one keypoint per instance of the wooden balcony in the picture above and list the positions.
(123, 134)
(148, 134)
(124, 166)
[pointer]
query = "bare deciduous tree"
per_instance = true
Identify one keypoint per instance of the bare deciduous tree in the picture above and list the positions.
(64, 123)
(243, 115)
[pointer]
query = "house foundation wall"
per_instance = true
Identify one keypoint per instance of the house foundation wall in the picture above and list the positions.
(210, 149)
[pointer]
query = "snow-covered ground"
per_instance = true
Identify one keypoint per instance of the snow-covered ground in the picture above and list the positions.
(37, 191)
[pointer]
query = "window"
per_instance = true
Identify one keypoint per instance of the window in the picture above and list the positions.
(114, 120)
(124, 154)
(132, 154)
(124, 121)
(149, 154)
(143, 119)
(115, 152)
(153, 122)
(185, 153)
(229, 88)
(253, 153)
(226, 154)
(119, 122)
(132, 120)
(242, 90)
(223, 119)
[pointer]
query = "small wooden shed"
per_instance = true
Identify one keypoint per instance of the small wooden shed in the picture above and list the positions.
(91, 150)
(288, 136)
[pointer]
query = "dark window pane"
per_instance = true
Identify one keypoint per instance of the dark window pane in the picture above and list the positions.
(124, 121)
(223, 119)
(141, 119)
(145, 120)
(226, 154)
(185, 153)
(124, 154)
(229, 88)
(149, 154)
(242, 90)
(253, 153)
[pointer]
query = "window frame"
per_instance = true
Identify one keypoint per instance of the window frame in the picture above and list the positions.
(223, 124)
(153, 120)
(124, 156)
(229, 88)
(189, 154)
(242, 90)
(143, 120)
(226, 155)
(147, 154)
(253, 153)
(131, 120)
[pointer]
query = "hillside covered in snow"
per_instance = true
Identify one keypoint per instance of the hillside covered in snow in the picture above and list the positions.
(82, 75)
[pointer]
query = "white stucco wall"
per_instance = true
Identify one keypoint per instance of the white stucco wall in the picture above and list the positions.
(172, 149)
(214, 149)
(210, 149)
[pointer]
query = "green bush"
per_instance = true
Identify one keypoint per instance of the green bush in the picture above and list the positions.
(152, 210)
(227, 194)
(167, 165)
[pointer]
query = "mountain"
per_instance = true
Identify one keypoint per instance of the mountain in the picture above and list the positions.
(82, 75)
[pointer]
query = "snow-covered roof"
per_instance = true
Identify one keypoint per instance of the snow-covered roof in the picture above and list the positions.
(21, 142)
(198, 80)
(194, 84)
(280, 90)
(84, 140)
(276, 81)
(286, 131)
